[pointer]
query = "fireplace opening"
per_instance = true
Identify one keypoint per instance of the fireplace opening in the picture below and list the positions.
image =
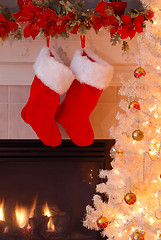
(44, 191)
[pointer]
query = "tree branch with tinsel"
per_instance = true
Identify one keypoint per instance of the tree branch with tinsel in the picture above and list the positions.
(62, 18)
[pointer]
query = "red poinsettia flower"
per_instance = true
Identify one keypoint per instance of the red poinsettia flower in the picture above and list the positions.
(138, 21)
(52, 23)
(6, 27)
(103, 17)
(97, 21)
(130, 26)
(114, 26)
(103, 21)
(101, 7)
(22, 3)
(109, 20)
(75, 29)
(69, 16)
(30, 17)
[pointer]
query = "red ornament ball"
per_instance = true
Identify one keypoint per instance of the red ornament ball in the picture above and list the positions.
(139, 72)
(130, 198)
(102, 222)
(134, 104)
(138, 235)
(149, 14)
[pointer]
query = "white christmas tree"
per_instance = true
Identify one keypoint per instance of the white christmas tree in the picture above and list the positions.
(133, 186)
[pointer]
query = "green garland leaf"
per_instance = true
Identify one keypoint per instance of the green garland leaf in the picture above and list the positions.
(116, 38)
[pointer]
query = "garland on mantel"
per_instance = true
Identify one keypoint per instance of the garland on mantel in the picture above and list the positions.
(62, 18)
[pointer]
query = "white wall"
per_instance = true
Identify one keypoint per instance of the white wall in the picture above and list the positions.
(16, 75)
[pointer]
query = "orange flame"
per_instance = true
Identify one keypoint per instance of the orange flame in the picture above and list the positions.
(2, 218)
(21, 216)
(28, 228)
(33, 208)
(47, 212)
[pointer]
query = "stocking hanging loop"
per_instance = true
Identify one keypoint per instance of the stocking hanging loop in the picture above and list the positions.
(48, 44)
(48, 41)
(82, 37)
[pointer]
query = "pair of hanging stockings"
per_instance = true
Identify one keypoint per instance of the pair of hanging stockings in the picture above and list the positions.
(83, 84)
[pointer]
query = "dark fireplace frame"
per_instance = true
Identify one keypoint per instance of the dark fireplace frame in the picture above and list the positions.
(36, 151)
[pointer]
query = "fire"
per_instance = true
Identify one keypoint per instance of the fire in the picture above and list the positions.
(28, 228)
(47, 212)
(33, 208)
(21, 216)
(2, 218)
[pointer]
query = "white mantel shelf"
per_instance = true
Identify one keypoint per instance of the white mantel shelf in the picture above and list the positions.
(17, 57)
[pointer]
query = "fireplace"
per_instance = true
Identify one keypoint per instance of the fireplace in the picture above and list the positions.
(44, 191)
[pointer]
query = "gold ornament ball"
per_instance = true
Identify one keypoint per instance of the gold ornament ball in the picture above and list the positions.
(120, 151)
(102, 222)
(159, 236)
(139, 72)
(137, 135)
(138, 236)
(134, 104)
(130, 198)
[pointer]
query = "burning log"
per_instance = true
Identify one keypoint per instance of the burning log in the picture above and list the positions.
(61, 220)
(2, 226)
(38, 222)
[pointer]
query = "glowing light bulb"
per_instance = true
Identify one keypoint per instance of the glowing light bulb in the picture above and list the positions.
(154, 181)
(153, 152)
(151, 220)
(141, 151)
(117, 225)
(140, 210)
(153, 108)
(117, 171)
